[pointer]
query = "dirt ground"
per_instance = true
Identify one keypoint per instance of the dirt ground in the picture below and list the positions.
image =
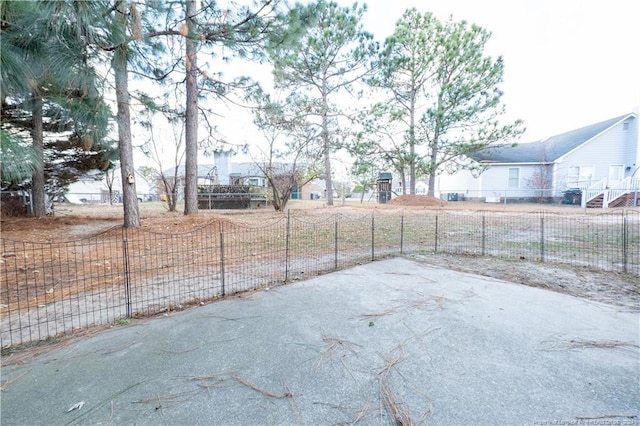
(76, 221)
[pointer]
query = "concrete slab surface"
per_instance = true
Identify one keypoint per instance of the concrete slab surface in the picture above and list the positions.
(392, 342)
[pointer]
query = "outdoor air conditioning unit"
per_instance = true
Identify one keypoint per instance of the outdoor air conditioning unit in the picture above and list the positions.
(452, 196)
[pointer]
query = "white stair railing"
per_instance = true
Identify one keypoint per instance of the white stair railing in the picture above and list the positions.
(626, 186)
(593, 191)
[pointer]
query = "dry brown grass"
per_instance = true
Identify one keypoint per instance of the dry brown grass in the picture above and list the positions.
(83, 267)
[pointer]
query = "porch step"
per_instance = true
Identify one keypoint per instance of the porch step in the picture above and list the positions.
(596, 203)
(625, 200)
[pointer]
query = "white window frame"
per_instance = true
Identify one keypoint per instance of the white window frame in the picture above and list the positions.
(513, 182)
(580, 176)
(618, 171)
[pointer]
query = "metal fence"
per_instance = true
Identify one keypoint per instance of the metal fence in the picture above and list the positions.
(49, 289)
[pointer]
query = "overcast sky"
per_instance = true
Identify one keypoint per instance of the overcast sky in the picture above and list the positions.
(568, 63)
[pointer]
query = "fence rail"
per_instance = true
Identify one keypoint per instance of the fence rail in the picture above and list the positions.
(50, 289)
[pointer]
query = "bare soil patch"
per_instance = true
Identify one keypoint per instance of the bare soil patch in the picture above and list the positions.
(417, 200)
(420, 202)
(73, 222)
(605, 287)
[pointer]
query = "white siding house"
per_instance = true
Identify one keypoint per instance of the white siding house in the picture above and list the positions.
(226, 172)
(93, 188)
(596, 158)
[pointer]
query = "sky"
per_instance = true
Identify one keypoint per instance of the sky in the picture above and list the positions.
(568, 63)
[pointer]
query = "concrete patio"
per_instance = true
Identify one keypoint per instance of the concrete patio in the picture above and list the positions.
(391, 342)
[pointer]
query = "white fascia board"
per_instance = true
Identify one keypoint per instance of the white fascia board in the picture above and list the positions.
(562, 157)
(537, 163)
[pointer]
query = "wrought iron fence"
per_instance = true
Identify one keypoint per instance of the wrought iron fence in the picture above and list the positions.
(49, 289)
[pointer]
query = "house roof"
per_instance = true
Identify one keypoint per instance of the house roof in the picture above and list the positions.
(247, 169)
(546, 150)
(203, 170)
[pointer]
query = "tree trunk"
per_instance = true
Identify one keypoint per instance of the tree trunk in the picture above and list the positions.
(119, 63)
(327, 170)
(326, 145)
(170, 189)
(38, 203)
(191, 119)
(412, 146)
(109, 178)
(432, 172)
(276, 197)
(435, 146)
(283, 202)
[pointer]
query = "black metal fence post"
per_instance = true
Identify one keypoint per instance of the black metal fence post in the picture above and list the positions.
(402, 233)
(435, 249)
(625, 244)
(287, 247)
(373, 237)
(222, 280)
(542, 237)
(335, 242)
(484, 235)
(127, 280)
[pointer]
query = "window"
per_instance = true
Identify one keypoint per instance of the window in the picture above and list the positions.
(625, 125)
(580, 176)
(254, 181)
(573, 176)
(514, 178)
(616, 173)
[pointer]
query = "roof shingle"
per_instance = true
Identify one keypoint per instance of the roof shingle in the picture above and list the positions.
(546, 150)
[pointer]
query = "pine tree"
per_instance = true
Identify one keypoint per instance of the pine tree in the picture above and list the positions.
(330, 55)
(49, 86)
(446, 91)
